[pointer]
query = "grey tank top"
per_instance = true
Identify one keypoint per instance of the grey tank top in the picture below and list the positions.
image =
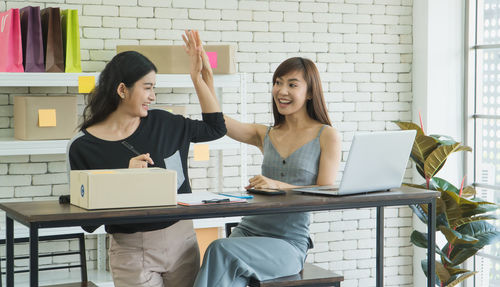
(299, 168)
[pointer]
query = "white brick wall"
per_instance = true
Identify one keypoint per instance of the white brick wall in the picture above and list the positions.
(363, 49)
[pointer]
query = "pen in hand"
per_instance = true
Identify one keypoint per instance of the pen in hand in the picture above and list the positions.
(132, 149)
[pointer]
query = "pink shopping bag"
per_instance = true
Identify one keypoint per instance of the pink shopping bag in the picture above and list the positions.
(11, 50)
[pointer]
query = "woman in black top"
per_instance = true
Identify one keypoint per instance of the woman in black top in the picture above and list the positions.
(152, 254)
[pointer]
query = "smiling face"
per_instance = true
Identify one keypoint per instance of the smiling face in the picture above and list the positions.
(290, 93)
(136, 100)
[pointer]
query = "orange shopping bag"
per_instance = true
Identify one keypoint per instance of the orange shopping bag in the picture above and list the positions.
(11, 50)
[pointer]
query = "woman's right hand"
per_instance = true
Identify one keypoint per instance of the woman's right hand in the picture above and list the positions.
(140, 161)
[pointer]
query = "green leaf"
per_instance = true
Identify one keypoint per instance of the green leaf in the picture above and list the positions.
(459, 254)
(419, 239)
(443, 139)
(466, 220)
(482, 207)
(442, 184)
(460, 279)
(455, 237)
(458, 207)
(437, 158)
(482, 230)
(422, 147)
(485, 233)
(447, 140)
(442, 272)
(441, 215)
(469, 191)
(455, 271)
(442, 220)
(419, 212)
(464, 148)
(419, 186)
(423, 263)
(410, 126)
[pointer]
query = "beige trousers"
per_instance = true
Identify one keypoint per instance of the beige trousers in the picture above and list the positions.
(167, 257)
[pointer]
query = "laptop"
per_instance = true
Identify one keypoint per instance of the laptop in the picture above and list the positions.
(376, 161)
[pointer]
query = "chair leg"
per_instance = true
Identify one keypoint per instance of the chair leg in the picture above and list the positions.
(83, 258)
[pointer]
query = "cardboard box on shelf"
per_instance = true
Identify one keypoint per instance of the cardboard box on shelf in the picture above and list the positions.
(172, 59)
(120, 188)
(45, 118)
(177, 110)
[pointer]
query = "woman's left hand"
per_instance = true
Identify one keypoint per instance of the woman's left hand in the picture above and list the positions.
(194, 49)
(260, 181)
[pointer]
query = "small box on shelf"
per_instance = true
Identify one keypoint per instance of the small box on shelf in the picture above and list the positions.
(172, 59)
(177, 110)
(45, 118)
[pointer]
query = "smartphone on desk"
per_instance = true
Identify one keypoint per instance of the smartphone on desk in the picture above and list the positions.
(266, 191)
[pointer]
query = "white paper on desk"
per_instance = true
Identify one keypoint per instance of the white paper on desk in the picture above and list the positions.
(196, 198)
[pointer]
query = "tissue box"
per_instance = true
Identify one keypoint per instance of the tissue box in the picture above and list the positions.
(120, 188)
(172, 59)
(45, 118)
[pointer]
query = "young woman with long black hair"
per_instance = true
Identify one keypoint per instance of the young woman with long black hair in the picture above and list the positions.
(118, 117)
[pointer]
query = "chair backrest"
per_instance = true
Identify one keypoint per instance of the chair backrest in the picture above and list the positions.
(229, 227)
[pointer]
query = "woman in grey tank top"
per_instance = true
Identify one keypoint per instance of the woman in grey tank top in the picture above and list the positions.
(301, 148)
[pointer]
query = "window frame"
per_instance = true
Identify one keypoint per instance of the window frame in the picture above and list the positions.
(471, 49)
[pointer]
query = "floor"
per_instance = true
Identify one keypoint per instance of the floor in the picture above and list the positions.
(99, 278)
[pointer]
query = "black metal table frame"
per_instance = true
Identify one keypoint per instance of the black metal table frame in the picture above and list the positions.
(33, 227)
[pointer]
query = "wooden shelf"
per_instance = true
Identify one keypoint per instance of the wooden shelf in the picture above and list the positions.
(71, 80)
(12, 146)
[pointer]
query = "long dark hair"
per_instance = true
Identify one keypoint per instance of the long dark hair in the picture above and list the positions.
(316, 107)
(127, 68)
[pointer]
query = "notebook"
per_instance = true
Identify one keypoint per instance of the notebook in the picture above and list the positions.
(376, 161)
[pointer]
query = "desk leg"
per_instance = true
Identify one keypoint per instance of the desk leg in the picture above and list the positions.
(431, 244)
(380, 247)
(9, 250)
(33, 256)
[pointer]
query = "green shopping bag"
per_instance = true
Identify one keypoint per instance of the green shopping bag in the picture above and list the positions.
(71, 41)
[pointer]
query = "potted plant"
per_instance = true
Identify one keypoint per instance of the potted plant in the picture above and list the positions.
(460, 216)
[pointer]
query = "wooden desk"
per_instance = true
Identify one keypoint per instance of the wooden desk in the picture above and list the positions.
(45, 214)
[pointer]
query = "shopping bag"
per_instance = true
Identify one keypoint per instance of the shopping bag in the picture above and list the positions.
(11, 51)
(71, 40)
(31, 34)
(52, 40)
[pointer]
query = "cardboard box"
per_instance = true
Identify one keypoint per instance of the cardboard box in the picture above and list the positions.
(173, 59)
(119, 188)
(44, 118)
(177, 110)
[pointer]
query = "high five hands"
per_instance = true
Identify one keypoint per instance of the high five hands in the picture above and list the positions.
(199, 59)
(195, 51)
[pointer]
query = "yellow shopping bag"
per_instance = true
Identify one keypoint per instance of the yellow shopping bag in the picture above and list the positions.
(71, 40)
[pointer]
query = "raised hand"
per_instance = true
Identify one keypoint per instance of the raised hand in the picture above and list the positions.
(194, 49)
(206, 71)
(204, 84)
